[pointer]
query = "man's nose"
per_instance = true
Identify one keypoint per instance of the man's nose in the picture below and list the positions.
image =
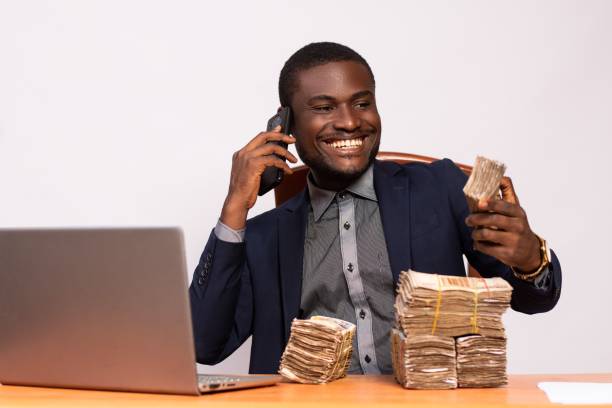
(347, 119)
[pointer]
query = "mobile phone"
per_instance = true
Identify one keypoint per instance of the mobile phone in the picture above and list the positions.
(273, 176)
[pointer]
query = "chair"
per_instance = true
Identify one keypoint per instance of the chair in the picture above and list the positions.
(294, 183)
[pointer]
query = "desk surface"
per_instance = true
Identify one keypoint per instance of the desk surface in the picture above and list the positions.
(353, 391)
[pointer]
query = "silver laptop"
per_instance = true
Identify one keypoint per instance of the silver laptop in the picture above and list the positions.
(100, 309)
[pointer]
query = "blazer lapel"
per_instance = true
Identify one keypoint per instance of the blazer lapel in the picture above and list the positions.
(291, 234)
(392, 187)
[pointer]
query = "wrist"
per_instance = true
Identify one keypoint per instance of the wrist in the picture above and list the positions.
(234, 214)
(535, 260)
(544, 255)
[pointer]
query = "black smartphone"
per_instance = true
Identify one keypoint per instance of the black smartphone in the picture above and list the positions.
(273, 176)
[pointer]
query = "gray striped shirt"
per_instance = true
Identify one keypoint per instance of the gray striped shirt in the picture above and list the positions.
(347, 273)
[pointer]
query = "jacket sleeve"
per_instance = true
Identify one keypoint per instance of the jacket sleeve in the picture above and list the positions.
(526, 297)
(221, 300)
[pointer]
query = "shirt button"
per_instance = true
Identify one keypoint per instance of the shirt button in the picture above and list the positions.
(350, 267)
(362, 314)
(367, 359)
(347, 225)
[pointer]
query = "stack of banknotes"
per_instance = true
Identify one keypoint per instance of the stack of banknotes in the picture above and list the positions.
(484, 181)
(319, 350)
(423, 361)
(481, 361)
(449, 331)
(451, 306)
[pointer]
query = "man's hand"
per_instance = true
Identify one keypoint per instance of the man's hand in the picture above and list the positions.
(501, 230)
(248, 164)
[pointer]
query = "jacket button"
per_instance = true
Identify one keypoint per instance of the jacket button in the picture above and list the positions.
(200, 281)
(362, 314)
(347, 225)
(350, 267)
(367, 359)
(208, 257)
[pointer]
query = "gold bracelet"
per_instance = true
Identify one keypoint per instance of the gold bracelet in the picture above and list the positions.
(545, 261)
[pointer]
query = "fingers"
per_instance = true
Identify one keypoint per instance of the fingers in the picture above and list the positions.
(507, 190)
(271, 160)
(272, 148)
(273, 136)
(501, 207)
(495, 250)
(495, 221)
(493, 236)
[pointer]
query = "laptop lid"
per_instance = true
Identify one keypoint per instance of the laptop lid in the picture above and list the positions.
(96, 309)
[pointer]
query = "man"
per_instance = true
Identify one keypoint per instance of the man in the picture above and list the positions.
(338, 247)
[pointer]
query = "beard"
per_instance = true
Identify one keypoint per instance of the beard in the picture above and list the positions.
(325, 170)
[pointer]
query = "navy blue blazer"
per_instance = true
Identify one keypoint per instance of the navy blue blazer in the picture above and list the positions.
(254, 287)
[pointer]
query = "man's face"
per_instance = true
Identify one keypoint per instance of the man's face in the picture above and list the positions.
(336, 122)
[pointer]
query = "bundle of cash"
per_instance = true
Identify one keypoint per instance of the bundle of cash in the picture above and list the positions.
(484, 181)
(423, 361)
(319, 350)
(481, 361)
(451, 306)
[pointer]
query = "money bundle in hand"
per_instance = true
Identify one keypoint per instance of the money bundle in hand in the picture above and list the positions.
(451, 306)
(319, 350)
(484, 181)
(423, 361)
(481, 361)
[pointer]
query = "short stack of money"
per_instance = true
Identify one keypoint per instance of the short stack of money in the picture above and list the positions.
(481, 361)
(424, 361)
(450, 307)
(318, 351)
(483, 182)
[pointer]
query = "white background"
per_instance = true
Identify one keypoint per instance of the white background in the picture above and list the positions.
(126, 113)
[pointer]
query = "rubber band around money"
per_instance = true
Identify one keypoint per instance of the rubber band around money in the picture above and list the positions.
(474, 318)
(437, 312)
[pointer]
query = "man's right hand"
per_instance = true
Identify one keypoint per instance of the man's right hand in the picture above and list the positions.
(248, 164)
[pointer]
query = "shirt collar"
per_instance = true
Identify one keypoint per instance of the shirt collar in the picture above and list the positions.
(320, 199)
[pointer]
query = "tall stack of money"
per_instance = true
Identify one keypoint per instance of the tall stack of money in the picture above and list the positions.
(319, 350)
(423, 361)
(431, 311)
(484, 181)
(481, 361)
(451, 306)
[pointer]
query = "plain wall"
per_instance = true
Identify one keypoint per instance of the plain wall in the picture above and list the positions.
(126, 113)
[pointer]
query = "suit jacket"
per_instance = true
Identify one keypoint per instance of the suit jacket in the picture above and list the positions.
(254, 287)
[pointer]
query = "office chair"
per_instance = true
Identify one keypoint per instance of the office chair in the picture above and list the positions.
(294, 183)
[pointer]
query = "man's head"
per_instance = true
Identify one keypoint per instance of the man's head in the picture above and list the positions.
(331, 91)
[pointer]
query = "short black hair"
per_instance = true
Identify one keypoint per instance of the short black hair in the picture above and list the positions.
(309, 56)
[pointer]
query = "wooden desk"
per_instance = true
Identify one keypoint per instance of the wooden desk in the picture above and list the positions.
(353, 391)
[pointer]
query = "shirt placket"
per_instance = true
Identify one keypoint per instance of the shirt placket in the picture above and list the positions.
(350, 266)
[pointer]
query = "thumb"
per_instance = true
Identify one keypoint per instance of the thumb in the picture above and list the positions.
(507, 191)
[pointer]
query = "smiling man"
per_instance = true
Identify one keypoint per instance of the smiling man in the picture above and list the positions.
(337, 248)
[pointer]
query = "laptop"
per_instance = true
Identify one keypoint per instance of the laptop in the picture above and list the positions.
(104, 309)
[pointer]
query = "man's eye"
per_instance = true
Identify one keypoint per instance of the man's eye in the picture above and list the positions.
(323, 108)
(362, 105)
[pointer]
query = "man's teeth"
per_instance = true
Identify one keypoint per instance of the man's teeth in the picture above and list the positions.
(345, 144)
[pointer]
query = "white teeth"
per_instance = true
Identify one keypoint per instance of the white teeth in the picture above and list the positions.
(343, 144)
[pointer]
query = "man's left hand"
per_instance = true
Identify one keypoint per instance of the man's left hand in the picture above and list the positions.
(501, 230)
